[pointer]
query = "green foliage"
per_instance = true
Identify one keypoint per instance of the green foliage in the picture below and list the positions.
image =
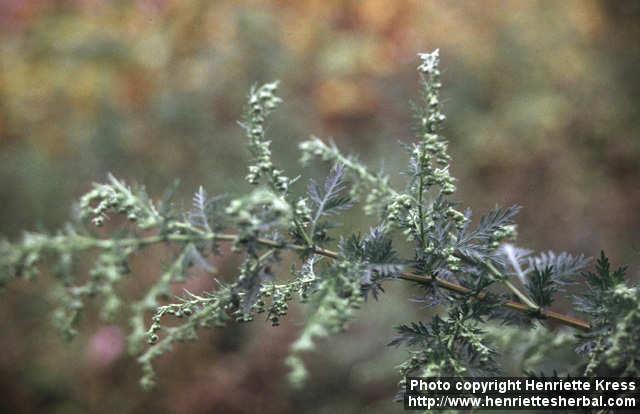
(480, 279)
(327, 201)
(614, 309)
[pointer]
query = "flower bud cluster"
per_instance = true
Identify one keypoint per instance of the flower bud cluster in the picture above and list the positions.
(430, 153)
(315, 148)
(302, 211)
(457, 217)
(400, 209)
(211, 310)
(430, 62)
(447, 253)
(343, 296)
(279, 302)
(262, 101)
(258, 211)
(502, 234)
(104, 198)
(117, 197)
(108, 271)
(432, 119)
(22, 261)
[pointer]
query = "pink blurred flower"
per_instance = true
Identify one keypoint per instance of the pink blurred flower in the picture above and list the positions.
(105, 347)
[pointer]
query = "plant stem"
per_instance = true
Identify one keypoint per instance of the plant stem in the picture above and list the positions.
(420, 213)
(524, 307)
(524, 298)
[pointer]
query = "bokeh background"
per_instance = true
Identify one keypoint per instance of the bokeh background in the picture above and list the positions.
(543, 104)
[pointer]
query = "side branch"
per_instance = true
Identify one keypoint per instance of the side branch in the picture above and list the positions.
(454, 287)
(409, 276)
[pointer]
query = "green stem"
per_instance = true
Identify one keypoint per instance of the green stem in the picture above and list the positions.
(307, 239)
(525, 306)
(524, 298)
(420, 212)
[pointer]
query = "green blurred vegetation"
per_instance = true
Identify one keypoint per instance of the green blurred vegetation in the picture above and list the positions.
(543, 102)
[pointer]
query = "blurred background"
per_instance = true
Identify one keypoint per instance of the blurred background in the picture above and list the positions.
(542, 98)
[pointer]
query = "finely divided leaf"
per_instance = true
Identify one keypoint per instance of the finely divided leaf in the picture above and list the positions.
(329, 199)
(562, 265)
(476, 244)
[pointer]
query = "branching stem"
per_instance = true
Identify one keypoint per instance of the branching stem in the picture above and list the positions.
(524, 298)
(524, 307)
